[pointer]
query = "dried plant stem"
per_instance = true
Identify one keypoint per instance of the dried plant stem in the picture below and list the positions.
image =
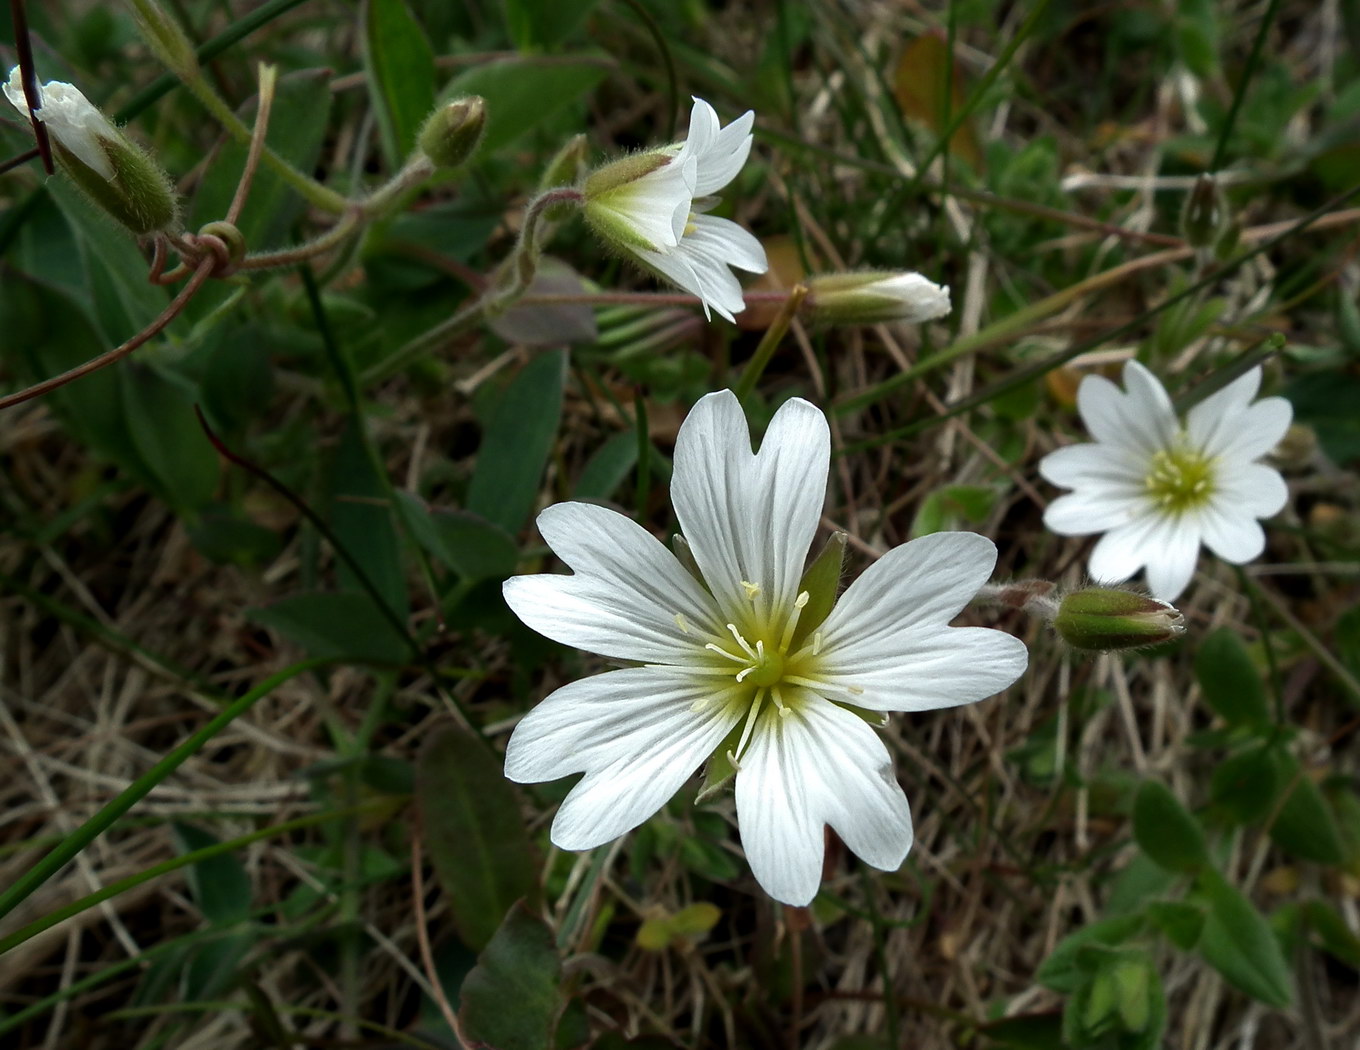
(423, 935)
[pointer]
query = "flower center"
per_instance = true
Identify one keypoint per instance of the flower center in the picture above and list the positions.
(1180, 479)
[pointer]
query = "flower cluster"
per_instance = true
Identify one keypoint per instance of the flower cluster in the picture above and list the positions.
(740, 658)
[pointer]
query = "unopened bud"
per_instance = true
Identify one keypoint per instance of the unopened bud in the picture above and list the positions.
(568, 167)
(873, 298)
(1104, 618)
(1204, 213)
(103, 162)
(165, 37)
(452, 133)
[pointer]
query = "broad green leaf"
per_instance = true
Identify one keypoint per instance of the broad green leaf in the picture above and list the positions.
(238, 378)
(400, 67)
(952, 505)
(1304, 825)
(521, 93)
(1334, 934)
(220, 885)
(517, 442)
(125, 301)
(167, 435)
(606, 470)
(1166, 830)
(470, 816)
(1180, 921)
(362, 520)
(510, 1000)
(346, 625)
(1238, 943)
(471, 546)
(227, 537)
(1246, 784)
(297, 128)
(1229, 681)
(540, 25)
(1025, 1032)
(1061, 971)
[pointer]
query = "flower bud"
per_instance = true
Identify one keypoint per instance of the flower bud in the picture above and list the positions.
(165, 37)
(632, 202)
(452, 133)
(1104, 618)
(103, 162)
(568, 166)
(872, 298)
(1204, 214)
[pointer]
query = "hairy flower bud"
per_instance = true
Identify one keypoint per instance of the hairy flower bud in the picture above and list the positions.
(568, 165)
(873, 298)
(1104, 618)
(1205, 213)
(452, 133)
(104, 163)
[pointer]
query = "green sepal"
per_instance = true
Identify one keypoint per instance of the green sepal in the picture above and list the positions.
(822, 582)
(684, 554)
(139, 195)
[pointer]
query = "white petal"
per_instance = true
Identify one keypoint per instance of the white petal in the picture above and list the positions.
(724, 158)
(1091, 510)
(750, 518)
(69, 117)
(1213, 424)
(1172, 557)
(1141, 420)
(701, 263)
(923, 668)
(1250, 489)
(1258, 430)
(819, 765)
(633, 734)
(925, 582)
(1233, 537)
(625, 593)
(1076, 466)
(1122, 551)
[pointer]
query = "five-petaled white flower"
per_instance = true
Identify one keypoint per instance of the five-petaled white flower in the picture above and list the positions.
(70, 119)
(1158, 489)
(654, 205)
(722, 657)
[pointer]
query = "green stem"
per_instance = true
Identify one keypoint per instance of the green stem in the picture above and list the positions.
(141, 787)
(113, 889)
(1220, 150)
(769, 342)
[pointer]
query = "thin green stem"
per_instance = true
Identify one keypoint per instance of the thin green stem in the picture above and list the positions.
(1248, 71)
(142, 786)
(769, 343)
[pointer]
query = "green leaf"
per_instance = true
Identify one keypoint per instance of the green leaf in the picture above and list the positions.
(822, 582)
(471, 546)
(1026, 1032)
(400, 67)
(470, 816)
(952, 505)
(1180, 921)
(1229, 681)
(511, 998)
(166, 433)
(1336, 936)
(517, 442)
(522, 93)
(219, 884)
(125, 301)
(1166, 831)
(1062, 970)
(1238, 943)
(362, 520)
(1246, 784)
(606, 470)
(1304, 825)
(346, 625)
(539, 25)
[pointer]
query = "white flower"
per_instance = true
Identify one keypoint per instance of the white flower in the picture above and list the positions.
(725, 660)
(653, 206)
(872, 298)
(70, 119)
(1158, 489)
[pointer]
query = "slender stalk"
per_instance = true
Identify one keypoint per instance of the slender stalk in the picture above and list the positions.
(141, 787)
(269, 76)
(1248, 71)
(769, 342)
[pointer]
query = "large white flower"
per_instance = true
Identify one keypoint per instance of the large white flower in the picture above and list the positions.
(1158, 489)
(70, 119)
(654, 205)
(725, 658)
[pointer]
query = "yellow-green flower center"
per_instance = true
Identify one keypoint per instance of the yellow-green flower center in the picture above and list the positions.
(1180, 479)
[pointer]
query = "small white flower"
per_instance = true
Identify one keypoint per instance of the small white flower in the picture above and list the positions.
(730, 652)
(70, 119)
(1158, 489)
(872, 298)
(654, 206)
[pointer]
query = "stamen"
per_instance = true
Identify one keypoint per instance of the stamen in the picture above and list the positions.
(799, 604)
(682, 623)
(750, 723)
(745, 645)
(723, 652)
(752, 589)
(741, 675)
(778, 698)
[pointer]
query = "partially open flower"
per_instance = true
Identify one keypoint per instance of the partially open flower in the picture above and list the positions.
(738, 655)
(872, 298)
(1157, 488)
(112, 170)
(653, 206)
(1106, 618)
